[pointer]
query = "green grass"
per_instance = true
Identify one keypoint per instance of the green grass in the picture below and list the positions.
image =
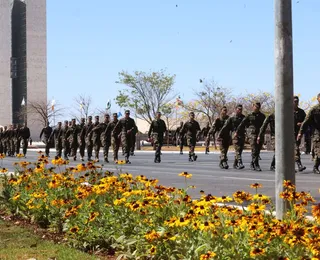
(20, 243)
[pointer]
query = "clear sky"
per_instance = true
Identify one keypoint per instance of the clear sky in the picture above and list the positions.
(230, 41)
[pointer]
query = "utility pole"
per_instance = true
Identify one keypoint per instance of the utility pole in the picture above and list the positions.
(284, 133)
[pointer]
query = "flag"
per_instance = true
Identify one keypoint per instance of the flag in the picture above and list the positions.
(119, 114)
(108, 106)
(23, 103)
(53, 102)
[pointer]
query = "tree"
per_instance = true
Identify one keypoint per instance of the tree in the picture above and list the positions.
(168, 111)
(265, 98)
(209, 100)
(82, 107)
(146, 93)
(41, 111)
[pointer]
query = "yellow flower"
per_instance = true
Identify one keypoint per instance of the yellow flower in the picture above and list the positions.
(74, 229)
(16, 196)
(3, 170)
(185, 174)
(256, 185)
(93, 216)
(2, 155)
(256, 207)
(224, 199)
(121, 162)
(208, 255)
(19, 155)
(153, 250)
(256, 252)
(152, 235)
(81, 167)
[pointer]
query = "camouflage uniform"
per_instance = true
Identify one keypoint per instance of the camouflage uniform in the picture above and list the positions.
(231, 126)
(82, 138)
(65, 140)
(299, 116)
(270, 120)
(46, 132)
(307, 140)
(125, 126)
(157, 128)
(57, 134)
(24, 136)
(225, 140)
(16, 140)
(191, 129)
(1, 138)
(134, 139)
(105, 139)
(204, 132)
(73, 131)
(313, 119)
(253, 123)
(4, 140)
(10, 141)
(96, 141)
(115, 140)
(180, 139)
(89, 138)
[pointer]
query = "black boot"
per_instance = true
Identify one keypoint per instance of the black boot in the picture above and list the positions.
(127, 160)
(190, 157)
(257, 166)
(106, 159)
(240, 164)
(273, 164)
(225, 165)
(252, 166)
(235, 164)
(316, 166)
(221, 165)
(301, 168)
(195, 157)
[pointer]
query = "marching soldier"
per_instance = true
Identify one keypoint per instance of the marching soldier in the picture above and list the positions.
(157, 128)
(270, 120)
(180, 139)
(73, 139)
(299, 116)
(46, 132)
(231, 125)
(89, 137)
(96, 141)
(115, 140)
(105, 137)
(253, 122)
(1, 138)
(4, 140)
(204, 132)
(57, 134)
(191, 129)
(126, 126)
(82, 138)
(24, 137)
(313, 119)
(224, 137)
(65, 140)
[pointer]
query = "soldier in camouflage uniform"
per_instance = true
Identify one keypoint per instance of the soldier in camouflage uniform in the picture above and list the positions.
(73, 131)
(299, 116)
(231, 126)
(270, 120)
(1, 138)
(10, 141)
(57, 134)
(96, 141)
(115, 140)
(89, 137)
(157, 128)
(204, 132)
(105, 138)
(4, 140)
(46, 132)
(253, 123)
(313, 119)
(65, 140)
(82, 138)
(223, 137)
(16, 139)
(126, 126)
(180, 139)
(134, 139)
(191, 130)
(24, 137)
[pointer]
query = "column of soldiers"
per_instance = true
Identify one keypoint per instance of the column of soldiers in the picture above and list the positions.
(13, 138)
(235, 129)
(92, 136)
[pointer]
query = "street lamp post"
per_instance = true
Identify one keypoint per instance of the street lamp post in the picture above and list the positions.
(23, 106)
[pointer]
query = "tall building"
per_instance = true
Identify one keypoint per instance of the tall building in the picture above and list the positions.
(23, 62)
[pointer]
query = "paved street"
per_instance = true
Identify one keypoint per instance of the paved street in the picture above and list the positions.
(207, 175)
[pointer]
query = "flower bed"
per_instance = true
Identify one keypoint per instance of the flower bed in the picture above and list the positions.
(140, 219)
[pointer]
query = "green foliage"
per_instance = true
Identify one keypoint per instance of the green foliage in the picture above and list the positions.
(146, 93)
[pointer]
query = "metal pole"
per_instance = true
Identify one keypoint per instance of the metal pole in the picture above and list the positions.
(284, 133)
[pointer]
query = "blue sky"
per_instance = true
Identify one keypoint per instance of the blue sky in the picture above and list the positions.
(230, 41)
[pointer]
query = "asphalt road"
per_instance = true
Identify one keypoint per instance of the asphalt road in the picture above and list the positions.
(207, 175)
